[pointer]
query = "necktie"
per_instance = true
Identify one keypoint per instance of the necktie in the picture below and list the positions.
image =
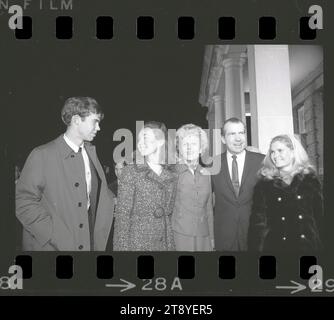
(235, 175)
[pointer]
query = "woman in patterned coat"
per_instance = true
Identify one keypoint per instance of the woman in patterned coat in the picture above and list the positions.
(146, 197)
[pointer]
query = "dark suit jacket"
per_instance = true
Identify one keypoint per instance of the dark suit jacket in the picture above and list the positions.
(51, 200)
(231, 213)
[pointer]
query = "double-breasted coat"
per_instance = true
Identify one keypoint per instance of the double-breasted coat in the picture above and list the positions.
(287, 217)
(231, 212)
(144, 207)
(51, 200)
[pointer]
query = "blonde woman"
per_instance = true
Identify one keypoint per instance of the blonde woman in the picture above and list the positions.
(192, 219)
(287, 204)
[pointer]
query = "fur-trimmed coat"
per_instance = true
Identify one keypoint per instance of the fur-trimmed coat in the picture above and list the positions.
(286, 217)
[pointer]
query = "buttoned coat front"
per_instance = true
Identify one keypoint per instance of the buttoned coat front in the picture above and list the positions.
(144, 206)
(51, 200)
(193, 212)
(286, 217)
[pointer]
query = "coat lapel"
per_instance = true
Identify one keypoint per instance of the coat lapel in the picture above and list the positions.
(246, 171)
(90, 149)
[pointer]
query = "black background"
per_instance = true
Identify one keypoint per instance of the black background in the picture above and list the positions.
(145, 83)
(133, 80)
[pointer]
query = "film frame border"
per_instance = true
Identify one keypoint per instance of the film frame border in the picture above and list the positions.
(322, 38)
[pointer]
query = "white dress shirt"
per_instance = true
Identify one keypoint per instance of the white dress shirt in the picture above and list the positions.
(88, 176)
(240, 158)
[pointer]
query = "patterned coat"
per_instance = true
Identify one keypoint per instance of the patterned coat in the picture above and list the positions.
(144, 207)
(286, 217)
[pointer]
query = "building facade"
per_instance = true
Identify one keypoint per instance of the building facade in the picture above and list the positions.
(274, 89)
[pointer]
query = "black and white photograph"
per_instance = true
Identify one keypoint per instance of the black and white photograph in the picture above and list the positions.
(262, 104)
(147, 149)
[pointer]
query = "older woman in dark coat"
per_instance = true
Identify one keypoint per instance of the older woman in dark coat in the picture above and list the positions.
(146, 197)
(287, 204)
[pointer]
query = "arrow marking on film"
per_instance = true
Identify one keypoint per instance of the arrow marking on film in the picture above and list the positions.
(298, 287)
(126, 285)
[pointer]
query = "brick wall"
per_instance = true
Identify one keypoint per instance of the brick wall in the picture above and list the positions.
(314, 137)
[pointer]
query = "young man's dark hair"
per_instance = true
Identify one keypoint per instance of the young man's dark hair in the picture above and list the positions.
(82, 106)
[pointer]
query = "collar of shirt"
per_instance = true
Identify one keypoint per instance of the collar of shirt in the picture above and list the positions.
(166, 174)
(240, 161)
(182, 167)
(240, 157)
(72, 145)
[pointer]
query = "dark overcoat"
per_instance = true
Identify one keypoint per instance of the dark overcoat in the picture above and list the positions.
(51, 200)
(287, 217)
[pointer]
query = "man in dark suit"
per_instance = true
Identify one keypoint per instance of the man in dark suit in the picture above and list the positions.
(62, 198)
(233, 188)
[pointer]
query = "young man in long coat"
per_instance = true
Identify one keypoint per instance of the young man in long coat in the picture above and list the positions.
(62, 199)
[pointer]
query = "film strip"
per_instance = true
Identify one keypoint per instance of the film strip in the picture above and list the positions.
(186, 27)
(145, 28)
(53, 50)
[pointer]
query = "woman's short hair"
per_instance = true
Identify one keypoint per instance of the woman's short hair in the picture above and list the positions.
(82, 106)
(159, 129)
(191, 130)
(160, 132)
(301, 162)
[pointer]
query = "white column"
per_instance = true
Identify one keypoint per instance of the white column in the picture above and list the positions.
(270, 93)
(234, 88)
(217, 105)
(215, 120)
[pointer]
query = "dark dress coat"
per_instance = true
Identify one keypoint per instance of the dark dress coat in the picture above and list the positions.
(51, 200)
(231, 213)
(287, 217)
(145, 204)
